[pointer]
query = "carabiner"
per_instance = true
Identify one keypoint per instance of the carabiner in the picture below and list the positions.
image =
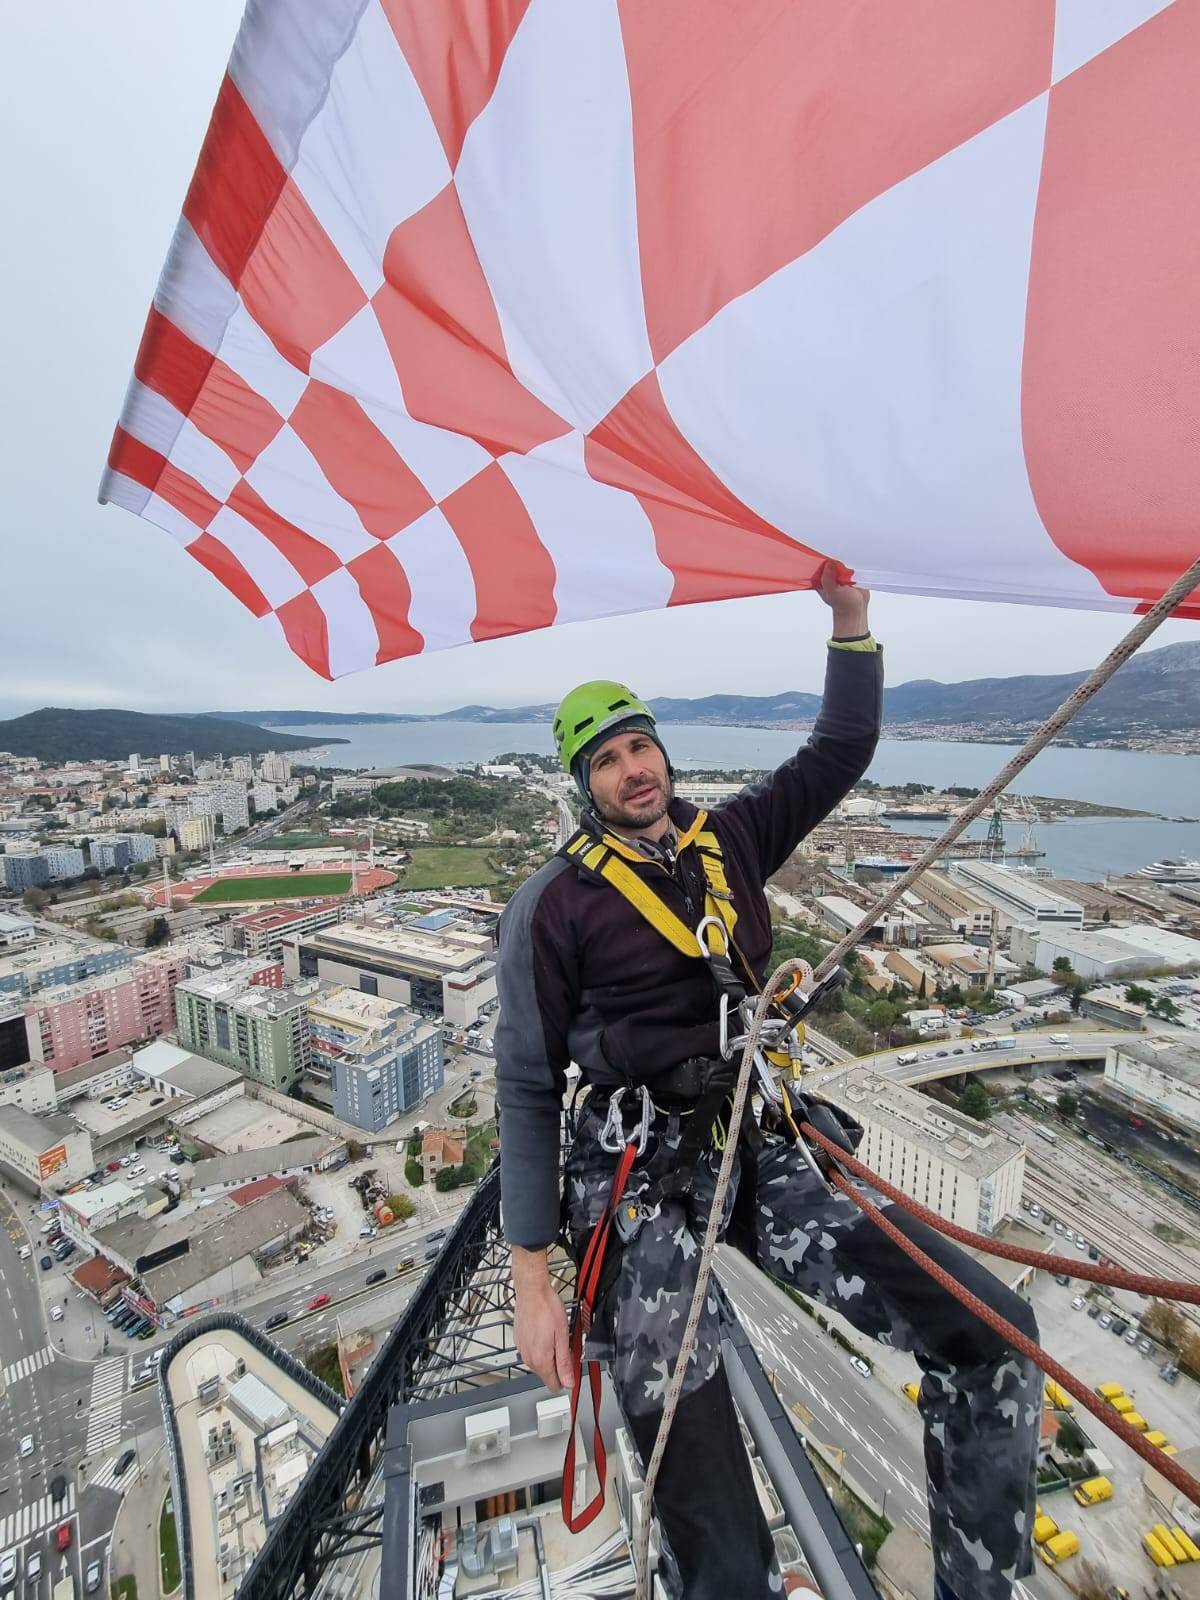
(717, 923)
(612, 1135)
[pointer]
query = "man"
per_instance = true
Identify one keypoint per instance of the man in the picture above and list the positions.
(585, 974)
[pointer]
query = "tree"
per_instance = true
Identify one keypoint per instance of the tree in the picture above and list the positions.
(355, 1150)
(880, 1016)
(923, 991)
(1166, 1322)
(975, 1102)
(400, 1206)
(1062, 964)
(1189, 1354)
(35, 899)
(414, 1172)
(158, 931)
(91, 873)
(1107, 917)
(446, 1179)
(1068, 1105)
(1137, 996)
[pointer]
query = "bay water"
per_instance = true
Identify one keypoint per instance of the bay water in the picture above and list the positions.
(1168, 786)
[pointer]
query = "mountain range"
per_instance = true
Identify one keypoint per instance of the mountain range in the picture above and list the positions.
(1157, 693)
(58, 733)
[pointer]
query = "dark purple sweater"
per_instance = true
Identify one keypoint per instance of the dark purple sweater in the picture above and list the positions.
(583, 976)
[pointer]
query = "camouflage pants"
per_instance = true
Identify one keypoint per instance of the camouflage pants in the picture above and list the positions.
(980, 1402)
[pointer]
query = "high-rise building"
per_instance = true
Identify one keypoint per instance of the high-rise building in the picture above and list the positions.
(76, 1023)
(265, 797)
(164, 763)
(24, 869)
(111, 855)
(261, 1031)
(241, 769)
(382, 1059)
(141, 846)
(196, 833)
(274, 768)
(135, 762)
(967, 1171)
(64, 861)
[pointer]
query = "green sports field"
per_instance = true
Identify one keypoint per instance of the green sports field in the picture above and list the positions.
(278, 886)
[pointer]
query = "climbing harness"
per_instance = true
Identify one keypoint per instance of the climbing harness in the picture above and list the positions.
(698, 1089)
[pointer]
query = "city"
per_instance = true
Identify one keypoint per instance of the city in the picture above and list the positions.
(247, 1073)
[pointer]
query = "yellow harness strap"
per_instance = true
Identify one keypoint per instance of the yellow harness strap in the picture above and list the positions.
(607, 858)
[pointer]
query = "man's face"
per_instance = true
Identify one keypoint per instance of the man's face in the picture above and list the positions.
(629, 781)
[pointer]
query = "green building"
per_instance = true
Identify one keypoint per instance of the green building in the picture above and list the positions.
(262, 1032)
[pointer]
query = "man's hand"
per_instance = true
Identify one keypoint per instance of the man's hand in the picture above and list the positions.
(847, 602)
(540, 1324)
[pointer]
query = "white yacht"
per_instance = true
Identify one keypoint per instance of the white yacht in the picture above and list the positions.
(1172, 871)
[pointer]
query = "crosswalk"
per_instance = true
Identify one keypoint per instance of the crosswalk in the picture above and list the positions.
(104, 1408)
(28, 1520)
(107, 1478)
(28, 1365)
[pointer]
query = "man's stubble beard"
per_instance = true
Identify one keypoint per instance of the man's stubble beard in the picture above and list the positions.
(620, 818)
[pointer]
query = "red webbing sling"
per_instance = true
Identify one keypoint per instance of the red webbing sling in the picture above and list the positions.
(588, 1287)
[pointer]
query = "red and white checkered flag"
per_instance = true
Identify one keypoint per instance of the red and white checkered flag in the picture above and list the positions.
(487, 315)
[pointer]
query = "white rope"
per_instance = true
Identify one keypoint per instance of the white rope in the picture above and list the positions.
(1037, 741)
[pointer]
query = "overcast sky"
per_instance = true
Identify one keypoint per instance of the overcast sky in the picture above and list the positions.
(104, 110)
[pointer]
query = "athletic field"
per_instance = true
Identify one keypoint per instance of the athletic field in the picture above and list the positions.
(277, 886)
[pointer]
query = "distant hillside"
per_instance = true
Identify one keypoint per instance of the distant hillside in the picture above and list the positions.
(57, 733)
(1158, 692)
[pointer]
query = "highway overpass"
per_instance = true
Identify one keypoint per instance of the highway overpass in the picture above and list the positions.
(946, 1058)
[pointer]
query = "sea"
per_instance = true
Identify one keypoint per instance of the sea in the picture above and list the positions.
(1087, 849)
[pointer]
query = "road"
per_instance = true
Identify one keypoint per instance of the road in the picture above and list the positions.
(948, 1057)
(49, 1398)
(839, 1408)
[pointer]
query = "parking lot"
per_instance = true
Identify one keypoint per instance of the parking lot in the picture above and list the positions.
(117, 1126)
(1111, 1533)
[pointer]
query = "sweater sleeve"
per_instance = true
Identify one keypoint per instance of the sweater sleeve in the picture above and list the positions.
(538, 996)
(804, 790)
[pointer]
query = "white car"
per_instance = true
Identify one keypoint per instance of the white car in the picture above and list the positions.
(33, 1568)
(860, 1365)
(56, 1313)
(155, 1357)
(27, 1445)
(8, 1566)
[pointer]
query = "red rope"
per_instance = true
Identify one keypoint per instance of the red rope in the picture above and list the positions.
(1100, 1409)
(1115, 1277)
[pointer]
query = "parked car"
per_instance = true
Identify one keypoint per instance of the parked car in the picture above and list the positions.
(46, 1263)
(376, 1277)
(1106, 1321)
(1093, 1312)
(1078, 1303)
(8, 1566)
(860, 1365)
(319, 1300)
(275, 1320)
(113, 1166)
(62, 1536)
(1145, 1346)
(58, 1489)
(56, 1313)
(91, 1578)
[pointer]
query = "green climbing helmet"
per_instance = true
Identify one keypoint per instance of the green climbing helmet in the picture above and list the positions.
(588, 711)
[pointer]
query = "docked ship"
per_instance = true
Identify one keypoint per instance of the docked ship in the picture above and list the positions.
(1172, 871)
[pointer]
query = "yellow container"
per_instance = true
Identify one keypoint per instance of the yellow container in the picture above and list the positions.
(1157, 1551)
(1109, 1390)
(1060, 1548)
(912, 1390)
(1121, 1403)
(1156, 1438)
(1167, 1538)
(1058, 1396)
(1135, 1420)
(1190, 1547)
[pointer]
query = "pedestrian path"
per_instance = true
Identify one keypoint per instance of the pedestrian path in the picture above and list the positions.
(108, 1478)
(28, 1365)
(28, 1520)
(104, 1407)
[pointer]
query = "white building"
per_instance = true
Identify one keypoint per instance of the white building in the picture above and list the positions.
(1109, 953)
(64, 860)
(1161, 1072)
(241, 769)
(894, 927)
(964, 1170)
(265, 798)
(274, 768)
(954, 903)
(43, 1150)
(30, 1087)
(1023, 898)
(81, 1213)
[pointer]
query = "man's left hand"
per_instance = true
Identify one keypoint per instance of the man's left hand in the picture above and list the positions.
(846, 600)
